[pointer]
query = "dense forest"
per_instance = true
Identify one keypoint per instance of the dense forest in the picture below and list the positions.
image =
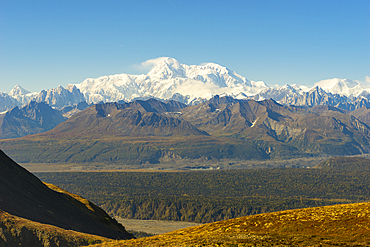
(208, 196)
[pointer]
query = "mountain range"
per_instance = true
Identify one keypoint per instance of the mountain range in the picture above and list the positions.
(190, 84)
(172, 113)
(144, 133)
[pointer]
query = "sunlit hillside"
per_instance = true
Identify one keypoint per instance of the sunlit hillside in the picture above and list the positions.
(339, 225)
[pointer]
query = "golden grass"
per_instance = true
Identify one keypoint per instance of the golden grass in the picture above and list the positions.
(345, 225)
(18, 227)
(77, 197)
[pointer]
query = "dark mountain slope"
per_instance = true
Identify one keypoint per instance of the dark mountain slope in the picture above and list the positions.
(24, 195)
(230, 116)
(112, 119)
(153, 105)
(17, 231)
(30, 119)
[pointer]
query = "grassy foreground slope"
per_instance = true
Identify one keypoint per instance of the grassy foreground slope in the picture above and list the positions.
(17, 231)
(343, 225)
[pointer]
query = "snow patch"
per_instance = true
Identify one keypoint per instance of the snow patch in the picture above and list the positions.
(254, 122)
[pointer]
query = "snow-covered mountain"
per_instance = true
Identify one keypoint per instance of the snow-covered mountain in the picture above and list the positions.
(191, 84)
(60, 97)
(167, 78)
(57, 97)
(345, 87)
(7, 102)
(22, 95)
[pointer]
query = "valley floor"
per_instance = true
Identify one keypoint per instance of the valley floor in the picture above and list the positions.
(154, 226)
(182, 165)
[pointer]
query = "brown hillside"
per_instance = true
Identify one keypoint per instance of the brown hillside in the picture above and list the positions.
(363, 114)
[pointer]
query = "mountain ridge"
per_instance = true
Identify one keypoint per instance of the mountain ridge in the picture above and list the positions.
(143, 133)
(30, 119)
(130, 119)
(190, 84)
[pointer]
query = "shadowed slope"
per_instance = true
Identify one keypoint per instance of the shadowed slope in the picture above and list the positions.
(30, 119)
(17, 231)
(24, 195)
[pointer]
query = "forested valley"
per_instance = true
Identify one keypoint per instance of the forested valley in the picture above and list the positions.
(208, 196)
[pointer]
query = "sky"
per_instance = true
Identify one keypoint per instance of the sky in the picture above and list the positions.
(44, 44)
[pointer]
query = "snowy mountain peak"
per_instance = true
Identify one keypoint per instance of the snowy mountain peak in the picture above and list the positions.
(21, 95)
(72, 88)
(165, 68)
(330, 83)
(18, 91)
(317, 89)
(166, 78)
(215, 67)
(340, 86)
(160, 61)
(286, 86)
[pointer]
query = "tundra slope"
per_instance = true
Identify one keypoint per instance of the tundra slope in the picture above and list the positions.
(339, 225)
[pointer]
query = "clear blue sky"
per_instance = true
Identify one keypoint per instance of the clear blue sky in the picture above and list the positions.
(48, 43)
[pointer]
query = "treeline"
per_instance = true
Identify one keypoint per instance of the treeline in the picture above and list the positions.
(213, 195)
(201, 210)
